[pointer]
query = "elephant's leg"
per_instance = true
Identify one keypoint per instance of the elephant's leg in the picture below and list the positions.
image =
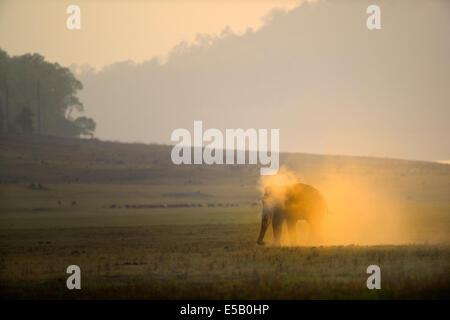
(292, 229)
(277, 224)
(264, 224)
(315, 231)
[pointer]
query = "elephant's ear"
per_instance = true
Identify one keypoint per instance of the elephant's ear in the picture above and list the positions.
(289, 196)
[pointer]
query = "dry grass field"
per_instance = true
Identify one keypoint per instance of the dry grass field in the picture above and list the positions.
(142, 228)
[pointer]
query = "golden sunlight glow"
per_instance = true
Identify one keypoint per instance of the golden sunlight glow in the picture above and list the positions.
(360, 211)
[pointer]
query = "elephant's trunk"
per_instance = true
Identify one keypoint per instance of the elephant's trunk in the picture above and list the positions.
(264, 224)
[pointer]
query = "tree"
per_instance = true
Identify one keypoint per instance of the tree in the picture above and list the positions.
(48, 90)
(2, 118)
(86, 126)
(25, 120)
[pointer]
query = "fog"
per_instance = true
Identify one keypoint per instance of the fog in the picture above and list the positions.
(315, 72)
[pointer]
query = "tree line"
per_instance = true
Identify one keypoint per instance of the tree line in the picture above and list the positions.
(37, 96)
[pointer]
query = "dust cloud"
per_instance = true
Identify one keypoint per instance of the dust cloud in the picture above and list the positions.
(360, 211)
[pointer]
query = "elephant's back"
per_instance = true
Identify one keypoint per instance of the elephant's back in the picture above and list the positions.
(304, 195)
(300, 190)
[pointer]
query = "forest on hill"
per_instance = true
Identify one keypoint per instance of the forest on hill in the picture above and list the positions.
(37, 96)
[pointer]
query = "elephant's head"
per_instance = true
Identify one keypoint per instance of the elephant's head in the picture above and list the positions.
(271, 202)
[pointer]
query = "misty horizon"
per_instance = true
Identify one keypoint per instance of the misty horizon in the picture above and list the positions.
(313, 71)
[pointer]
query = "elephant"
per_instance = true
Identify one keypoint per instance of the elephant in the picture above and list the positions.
(289, 204)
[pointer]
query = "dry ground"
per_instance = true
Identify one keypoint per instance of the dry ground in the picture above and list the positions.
(201, 252)
(210, 261)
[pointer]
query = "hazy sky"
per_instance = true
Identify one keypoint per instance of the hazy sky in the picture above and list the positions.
(314, 70)
(114, 30)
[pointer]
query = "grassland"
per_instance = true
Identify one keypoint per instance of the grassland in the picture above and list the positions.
(93, 209)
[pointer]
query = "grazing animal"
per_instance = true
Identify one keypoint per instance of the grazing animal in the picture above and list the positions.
(289, 204)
